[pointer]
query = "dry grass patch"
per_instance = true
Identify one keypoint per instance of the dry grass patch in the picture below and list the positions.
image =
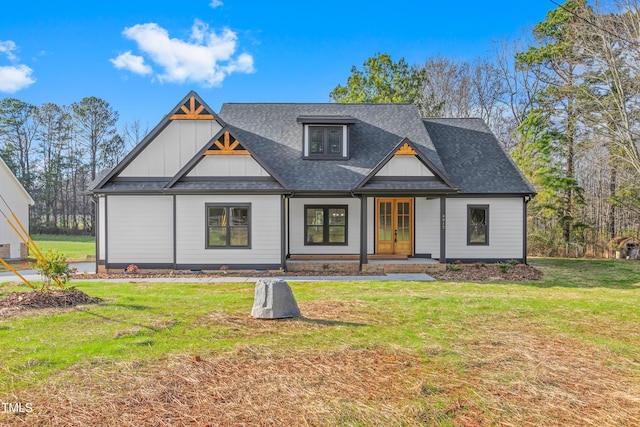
(524, 378)
(317, 314)
(251, 386)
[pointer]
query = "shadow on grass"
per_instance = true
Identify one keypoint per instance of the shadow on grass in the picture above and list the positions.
(130, 306)
(123, 322)
(320, 322)
(324, 322)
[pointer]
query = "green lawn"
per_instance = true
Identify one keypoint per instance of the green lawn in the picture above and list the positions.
(562, 350)
(76, 248)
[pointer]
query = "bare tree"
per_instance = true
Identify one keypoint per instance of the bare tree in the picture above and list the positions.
(611, 55)
(18, 131)
(133, 132)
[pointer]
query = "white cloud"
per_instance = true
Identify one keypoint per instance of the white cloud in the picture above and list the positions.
(206, 58)
(215, 3)
(6, 47)
(133, 63)
(13, 77)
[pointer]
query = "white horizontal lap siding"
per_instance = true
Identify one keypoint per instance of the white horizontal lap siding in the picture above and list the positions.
(172, 149)
(427, 226)
(297, 224)
(228, 165)
(191, 230)
(505, 228)
(140, 229)
(404, 165)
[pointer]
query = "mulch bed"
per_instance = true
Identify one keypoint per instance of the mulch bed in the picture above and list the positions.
(44, 299)
(210, 273)
(488, 272)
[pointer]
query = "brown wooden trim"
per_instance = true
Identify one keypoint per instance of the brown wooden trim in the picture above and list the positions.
(226, 153)
(191, 112)
(406, 150)
(226, 147)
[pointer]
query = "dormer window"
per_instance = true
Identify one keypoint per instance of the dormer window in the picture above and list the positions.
(325, 140)
(326, 137)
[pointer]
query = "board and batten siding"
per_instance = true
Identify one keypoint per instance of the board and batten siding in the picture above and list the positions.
(427, 226)
(227, 166)
(191, 228)
(140, 229)
(297, 222)
(171, 149)
(403, 165)
(505, 229)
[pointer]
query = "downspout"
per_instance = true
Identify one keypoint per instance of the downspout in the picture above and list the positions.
(175, 233)
(527, 199)
(96, 228)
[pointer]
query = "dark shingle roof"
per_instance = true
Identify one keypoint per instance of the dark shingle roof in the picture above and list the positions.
(272, 132)
(228, 186)
(462, 152)
(134, 186)
(212, 185)
(417, 185)
(473, 159)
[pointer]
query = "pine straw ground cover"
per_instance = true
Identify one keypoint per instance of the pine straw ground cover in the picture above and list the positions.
(548, 352)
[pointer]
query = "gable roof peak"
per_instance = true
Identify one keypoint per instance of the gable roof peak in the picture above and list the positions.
(192, 107)
(406, 147)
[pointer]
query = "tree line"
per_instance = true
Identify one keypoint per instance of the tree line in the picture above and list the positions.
(55, 152)
(563, 101)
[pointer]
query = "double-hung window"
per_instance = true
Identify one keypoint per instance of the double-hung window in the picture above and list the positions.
(228, 226)
(478, 224)
(325, 225)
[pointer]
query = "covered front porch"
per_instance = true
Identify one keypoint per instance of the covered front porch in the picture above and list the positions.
(376, 234)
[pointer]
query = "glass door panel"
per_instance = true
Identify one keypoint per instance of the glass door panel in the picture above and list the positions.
(394, 226)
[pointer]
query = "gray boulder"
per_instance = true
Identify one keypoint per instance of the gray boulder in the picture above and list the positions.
(273, 299)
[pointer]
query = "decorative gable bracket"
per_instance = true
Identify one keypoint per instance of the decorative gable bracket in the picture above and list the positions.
(406, 150)
(226, 145)
(192, 110)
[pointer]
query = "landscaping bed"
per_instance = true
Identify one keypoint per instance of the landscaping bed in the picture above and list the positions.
(463, 272)
(18, 301)
(488, 272)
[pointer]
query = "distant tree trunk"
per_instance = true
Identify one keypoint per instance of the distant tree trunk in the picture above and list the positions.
(613, 188)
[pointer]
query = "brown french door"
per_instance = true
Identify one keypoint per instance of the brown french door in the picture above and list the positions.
(394, 226)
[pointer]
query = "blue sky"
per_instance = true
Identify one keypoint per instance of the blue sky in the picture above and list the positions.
(145, 56)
